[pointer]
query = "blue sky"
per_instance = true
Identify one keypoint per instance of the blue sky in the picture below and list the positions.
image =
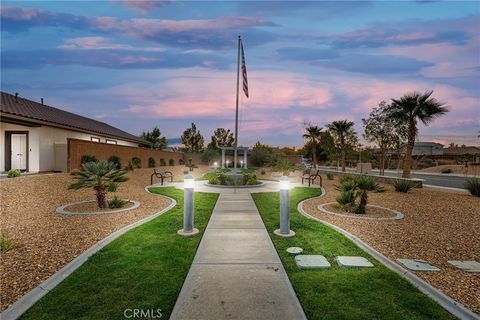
(140, 64)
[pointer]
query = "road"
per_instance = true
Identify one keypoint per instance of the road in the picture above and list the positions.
(430, 179)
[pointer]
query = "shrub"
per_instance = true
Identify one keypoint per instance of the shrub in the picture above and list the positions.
(473, 185)
(113, 187)
(13, 173)
(213, 180)
(250, 179)
(162, 162)
(6, 243)
(98, 176)
(186, 171)
(403, 185)
(171, 162)
(329, 176)
(88, 158)
(222, 179)
(151, 162)
(116, 202)
(447, 170)
(365, 184)
(347, 200)
(352, 187)
(116, 160)
(136, 162)
(262, 172)
(284, 166)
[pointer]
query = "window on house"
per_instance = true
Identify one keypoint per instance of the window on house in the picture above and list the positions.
(111, 141)
(95, 139)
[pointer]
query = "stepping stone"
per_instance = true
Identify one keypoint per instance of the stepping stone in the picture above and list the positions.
(353, 262)
(470, 266)
(418, 265)
(294, 250)
(304, 261)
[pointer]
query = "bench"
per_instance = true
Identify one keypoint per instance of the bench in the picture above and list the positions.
(311, 176)
(161, 175)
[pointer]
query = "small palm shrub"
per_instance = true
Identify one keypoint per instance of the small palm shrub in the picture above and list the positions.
(356, 187)
(329, 176)
(113, 187)
(364, 185)
(473, 185)
(403, 185)
(13, 173)
(116, 160)
(88, 158)
(116, 202)
(99, 176)
(151, 162)
(136, 162)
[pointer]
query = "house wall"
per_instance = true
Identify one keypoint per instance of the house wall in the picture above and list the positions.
(42, 141)
(102, 151)
(427, 150)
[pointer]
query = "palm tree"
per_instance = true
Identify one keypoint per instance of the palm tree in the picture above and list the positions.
(364, 184)
(98, 175)
(409, 109)
(313, 135)
(342, 130)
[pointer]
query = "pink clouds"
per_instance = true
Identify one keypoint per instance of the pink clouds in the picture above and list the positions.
(100, 43)
(19, 14)
(143, 6)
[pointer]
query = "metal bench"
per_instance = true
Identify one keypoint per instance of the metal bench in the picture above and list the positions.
(311, 176)
(161, 175)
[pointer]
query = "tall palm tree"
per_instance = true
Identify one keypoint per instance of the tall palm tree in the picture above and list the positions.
(99, 176)
(409, 109)
(342, 130)
(313, 136)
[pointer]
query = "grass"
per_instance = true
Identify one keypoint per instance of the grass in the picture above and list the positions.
(209, 175)
(335, 293)
(143, 269)
(6, 243)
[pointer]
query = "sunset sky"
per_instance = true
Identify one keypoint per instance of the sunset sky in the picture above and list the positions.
(140, 64)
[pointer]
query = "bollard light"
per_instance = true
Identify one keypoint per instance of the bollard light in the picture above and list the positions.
(227, 163)
(284, 230)
(188, 229)
(241, 163)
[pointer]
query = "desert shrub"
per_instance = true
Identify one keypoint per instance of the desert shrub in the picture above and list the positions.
(213, 180)
(353, 187)
(473, 185)
(329, 176)
(284, 166)
(262, 172)
(222, 179)
(447, 170)
(151, 162)
(113, 187)
(6, 243)
(250, 179)
(116, 202)
(88, 158)
(116, 160)
(346, 177)
(136, 162)
(171, 162)
(13, 173)
(186, 171)
(403, 185)
(347, 200)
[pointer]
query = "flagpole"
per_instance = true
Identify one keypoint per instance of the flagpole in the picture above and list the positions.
(236, 111)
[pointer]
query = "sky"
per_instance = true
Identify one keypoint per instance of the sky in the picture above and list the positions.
(140, 64)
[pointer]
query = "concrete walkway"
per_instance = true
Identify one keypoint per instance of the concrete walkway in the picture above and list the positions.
(237, 273)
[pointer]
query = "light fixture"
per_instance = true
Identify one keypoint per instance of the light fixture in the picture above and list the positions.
(188, 182)
(284, 183)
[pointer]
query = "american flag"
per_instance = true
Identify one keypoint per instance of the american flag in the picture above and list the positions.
(244, 73)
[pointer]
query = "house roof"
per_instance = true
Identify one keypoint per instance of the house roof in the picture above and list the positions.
(427, 144)
(461, 150)
(18, 106)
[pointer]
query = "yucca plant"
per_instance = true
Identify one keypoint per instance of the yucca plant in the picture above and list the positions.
(99, 176)
(403, 185)
(473, 185)
(364, 185)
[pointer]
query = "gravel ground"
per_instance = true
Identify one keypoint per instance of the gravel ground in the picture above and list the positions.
(48, 241)
(370, 212)
(438, 226)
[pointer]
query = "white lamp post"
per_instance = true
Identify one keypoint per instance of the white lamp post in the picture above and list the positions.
(188, 229)
(284, 230)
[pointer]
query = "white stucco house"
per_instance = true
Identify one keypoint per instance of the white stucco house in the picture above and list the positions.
(427, 149)
(33, 136)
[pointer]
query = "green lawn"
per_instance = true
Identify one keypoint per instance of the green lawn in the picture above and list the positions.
(209, 175)
(335, 293)
(142, 269)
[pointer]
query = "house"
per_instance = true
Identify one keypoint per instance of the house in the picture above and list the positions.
(33, 136)
(427, 149)
(470, 152)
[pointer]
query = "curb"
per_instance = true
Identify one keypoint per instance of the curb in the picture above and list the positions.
(28, 300)
(436, 295)
(61, 209)
(446, 188)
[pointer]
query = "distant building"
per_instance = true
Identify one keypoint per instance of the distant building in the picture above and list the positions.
(470, 151)
(427, 149)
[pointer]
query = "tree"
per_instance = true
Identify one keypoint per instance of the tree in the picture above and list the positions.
(344, 136)
(155, 137)
(99, 176)
(209, 155)
(408, 110)
(192, 139)
(262, 155)
(221, 138)
(313, 136)
(386, 132)
(365, 184)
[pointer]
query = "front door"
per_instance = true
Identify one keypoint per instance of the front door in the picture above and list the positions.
(19, 151)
